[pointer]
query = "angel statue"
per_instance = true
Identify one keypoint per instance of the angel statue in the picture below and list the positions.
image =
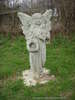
(36, 28)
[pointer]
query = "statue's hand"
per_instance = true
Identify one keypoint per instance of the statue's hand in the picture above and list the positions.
(42, 37)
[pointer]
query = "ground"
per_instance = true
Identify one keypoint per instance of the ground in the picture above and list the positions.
(60, 60)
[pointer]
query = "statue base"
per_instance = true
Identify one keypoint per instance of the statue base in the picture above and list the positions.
(30, 80)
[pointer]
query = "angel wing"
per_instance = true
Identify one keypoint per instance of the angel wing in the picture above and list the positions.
(45, 26)
(48, 14)
(25, 20)
(47, 17)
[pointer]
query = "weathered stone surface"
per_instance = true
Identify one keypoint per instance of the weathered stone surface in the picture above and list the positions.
(36, 28)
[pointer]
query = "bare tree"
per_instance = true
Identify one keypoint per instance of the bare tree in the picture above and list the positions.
(66, 11)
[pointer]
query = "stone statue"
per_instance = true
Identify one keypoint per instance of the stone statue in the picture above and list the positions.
(36, 28)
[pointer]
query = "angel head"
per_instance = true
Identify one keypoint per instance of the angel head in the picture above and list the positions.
(36, 19)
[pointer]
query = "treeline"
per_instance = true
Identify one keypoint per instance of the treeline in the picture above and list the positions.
(66, 12)
(9, 22)
(64, 22)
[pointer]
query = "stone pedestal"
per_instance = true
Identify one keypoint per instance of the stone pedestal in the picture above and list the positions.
(30, 79)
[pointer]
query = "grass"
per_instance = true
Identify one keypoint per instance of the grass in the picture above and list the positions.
(60, 60)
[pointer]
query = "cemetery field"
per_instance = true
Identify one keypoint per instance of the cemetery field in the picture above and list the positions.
(60, 60)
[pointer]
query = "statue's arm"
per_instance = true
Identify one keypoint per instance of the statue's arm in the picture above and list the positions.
(44, 29)
(42, 34)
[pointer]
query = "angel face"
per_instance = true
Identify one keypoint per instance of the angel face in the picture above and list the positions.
(37, 19)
